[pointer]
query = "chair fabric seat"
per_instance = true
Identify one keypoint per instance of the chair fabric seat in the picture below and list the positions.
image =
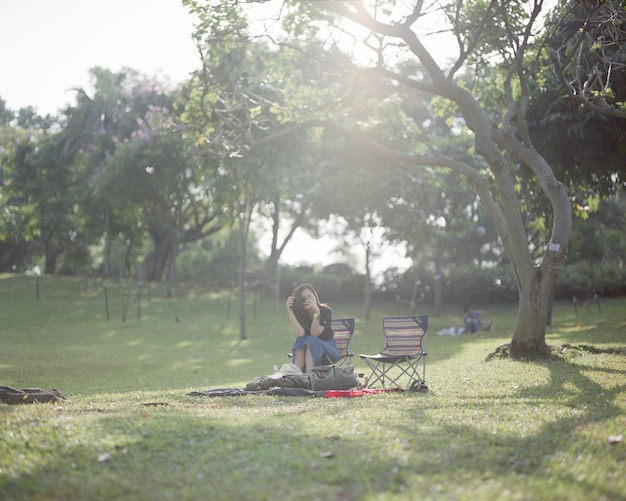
(404, 356)
(392, 360)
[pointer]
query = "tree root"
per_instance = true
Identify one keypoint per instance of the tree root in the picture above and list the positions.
(504, 351)
(594, 350)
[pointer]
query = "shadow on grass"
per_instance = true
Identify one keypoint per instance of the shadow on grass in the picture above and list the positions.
(157, 456)
(260, 447)
(544, 451)
(271, 448)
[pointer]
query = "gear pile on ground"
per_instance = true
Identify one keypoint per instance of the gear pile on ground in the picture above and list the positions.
(14, 396)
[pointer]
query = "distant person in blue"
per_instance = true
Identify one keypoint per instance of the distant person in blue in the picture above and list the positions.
(472, 322)
(311, 322)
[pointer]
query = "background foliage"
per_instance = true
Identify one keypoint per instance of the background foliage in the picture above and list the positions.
(142, 180)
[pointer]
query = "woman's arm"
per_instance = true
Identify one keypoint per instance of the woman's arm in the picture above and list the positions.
(320, 321)
(295, 325)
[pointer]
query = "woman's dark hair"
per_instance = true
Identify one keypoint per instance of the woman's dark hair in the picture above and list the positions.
(304, 318)
(297, 292)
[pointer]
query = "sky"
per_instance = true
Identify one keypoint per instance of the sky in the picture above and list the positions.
(48, 46)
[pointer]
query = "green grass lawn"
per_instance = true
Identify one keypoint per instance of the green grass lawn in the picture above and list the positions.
(484, 431)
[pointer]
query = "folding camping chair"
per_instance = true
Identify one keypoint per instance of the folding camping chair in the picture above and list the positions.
(343, 329)
(404, 354)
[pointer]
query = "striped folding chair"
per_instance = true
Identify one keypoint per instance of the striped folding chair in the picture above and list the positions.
(404, 356)
(343, 329)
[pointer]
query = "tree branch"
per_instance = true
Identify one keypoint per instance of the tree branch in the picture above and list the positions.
(473, 175)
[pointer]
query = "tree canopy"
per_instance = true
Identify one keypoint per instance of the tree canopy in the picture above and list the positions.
(341, 111)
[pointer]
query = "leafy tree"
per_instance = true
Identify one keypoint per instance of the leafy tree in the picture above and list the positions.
(600, 237)
(17, 242)
(489, 35)
(41, 184)
(95, 126)
(28, 118)
(354, 191)
(6, 115)
(157, 176)
(587, 53)
(127, 130)
(233, 97)
(576, 111)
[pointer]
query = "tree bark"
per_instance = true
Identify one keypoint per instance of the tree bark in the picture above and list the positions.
(242, 285)
(268, 277)
(50, 257)
(530, 332)
(437, 285)
(367, 289)
(171, 269)
(107, 241)
(157, 260)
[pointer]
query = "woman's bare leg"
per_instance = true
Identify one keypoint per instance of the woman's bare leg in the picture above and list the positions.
(308, 360)
(299, 359)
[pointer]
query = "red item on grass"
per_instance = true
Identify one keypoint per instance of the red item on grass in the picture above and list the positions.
(357, 392)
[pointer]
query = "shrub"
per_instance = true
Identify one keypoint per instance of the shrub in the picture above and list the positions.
(330, 287)
(583, 279)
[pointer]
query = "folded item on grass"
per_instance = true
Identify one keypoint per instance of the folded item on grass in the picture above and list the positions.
(10, 395)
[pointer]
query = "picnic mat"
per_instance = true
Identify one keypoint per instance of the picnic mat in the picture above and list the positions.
(293, 392)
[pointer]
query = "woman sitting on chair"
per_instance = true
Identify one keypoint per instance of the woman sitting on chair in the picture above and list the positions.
(310, 321)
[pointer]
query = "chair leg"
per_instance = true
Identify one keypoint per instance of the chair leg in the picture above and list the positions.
(376, 374)
(381, 373)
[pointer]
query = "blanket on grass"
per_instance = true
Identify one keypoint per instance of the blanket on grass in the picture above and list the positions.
(292, 392)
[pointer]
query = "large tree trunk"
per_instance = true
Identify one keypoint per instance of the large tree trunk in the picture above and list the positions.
(529, 336)
(171, 269)
(157, 260)
(536, 291)
(534, 283)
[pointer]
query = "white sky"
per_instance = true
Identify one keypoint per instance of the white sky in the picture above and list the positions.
(48, 46)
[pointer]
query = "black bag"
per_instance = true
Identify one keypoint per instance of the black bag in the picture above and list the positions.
(331, 377)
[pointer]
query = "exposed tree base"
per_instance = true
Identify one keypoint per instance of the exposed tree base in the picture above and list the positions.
(504, 351)
(519, 353)
(13, 396)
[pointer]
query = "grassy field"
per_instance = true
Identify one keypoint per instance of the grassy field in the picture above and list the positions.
(498, 430)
